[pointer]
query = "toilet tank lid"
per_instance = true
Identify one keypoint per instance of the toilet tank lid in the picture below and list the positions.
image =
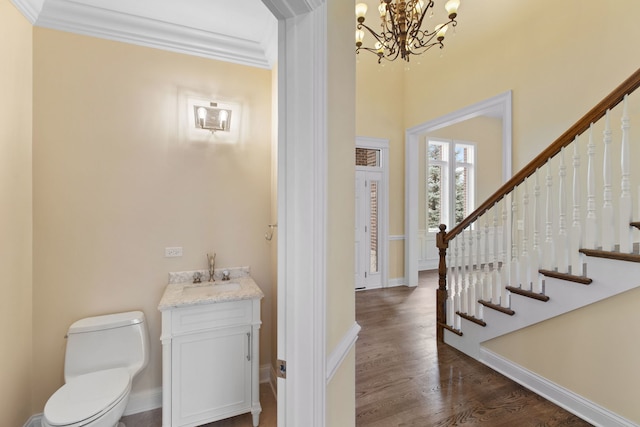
(108, 321)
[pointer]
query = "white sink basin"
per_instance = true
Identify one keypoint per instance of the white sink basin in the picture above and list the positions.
(210, 290)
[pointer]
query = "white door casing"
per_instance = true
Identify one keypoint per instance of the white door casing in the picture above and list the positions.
(302, 204)
(364, 176)
(500, 104)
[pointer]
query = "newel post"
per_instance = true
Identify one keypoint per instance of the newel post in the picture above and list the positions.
(441, 293)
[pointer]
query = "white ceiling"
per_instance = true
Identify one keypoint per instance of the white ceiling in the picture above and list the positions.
(240, 31)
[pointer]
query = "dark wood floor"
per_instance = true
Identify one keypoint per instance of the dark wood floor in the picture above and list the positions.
(404, 378)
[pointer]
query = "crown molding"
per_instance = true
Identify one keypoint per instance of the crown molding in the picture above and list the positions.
(92, 21)
(29, 8)
(284, 9)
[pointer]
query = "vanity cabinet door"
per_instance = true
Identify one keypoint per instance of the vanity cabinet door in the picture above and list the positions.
(211, 375)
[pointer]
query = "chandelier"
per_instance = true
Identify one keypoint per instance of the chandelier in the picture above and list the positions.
(402, 33)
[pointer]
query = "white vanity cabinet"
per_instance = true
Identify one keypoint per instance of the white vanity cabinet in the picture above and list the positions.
(210, 367)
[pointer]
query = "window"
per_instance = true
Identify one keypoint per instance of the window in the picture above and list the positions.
(450, 182)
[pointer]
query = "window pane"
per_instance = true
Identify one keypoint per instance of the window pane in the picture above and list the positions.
(462, 179)
(434, 196)
(435, 151)
(367, 157)
(373, 223)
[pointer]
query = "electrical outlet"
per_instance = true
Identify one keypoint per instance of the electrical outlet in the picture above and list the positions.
(172, 252)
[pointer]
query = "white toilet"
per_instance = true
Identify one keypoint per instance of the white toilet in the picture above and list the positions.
(103, 355)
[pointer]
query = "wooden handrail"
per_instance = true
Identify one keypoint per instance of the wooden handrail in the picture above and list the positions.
(582, 125)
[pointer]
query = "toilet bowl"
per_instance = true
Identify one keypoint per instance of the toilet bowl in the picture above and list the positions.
(103, 356)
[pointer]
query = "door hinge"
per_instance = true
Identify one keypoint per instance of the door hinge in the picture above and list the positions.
(365, 274)
(282, 369)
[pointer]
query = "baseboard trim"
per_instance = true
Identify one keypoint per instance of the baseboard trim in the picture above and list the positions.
(145, 400)
(34, 421)
(572, 402)
(265, 373)
(392, 283)
(273, 382)
(398, 281)
(342, 349)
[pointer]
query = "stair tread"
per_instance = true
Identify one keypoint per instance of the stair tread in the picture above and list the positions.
(611, 255)
(566, 276)
(472, 319)
(449, 328)
(528, 294)
(496, 307)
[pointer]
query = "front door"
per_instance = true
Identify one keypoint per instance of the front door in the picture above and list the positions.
(367, 228)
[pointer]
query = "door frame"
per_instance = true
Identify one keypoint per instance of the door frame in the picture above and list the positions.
(383, 218)
(302, 210)
(499, 105)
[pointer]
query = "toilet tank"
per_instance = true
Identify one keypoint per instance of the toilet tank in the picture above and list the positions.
(119, 340)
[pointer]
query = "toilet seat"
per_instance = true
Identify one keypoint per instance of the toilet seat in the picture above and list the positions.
(87, 397)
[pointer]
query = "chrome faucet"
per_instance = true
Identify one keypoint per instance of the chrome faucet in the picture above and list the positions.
(211, 260)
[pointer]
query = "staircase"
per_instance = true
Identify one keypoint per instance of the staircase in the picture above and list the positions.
(560, 235)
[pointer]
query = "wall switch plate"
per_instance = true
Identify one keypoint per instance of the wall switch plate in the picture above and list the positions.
(172, 252)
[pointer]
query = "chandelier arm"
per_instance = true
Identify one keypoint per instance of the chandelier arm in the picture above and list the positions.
(379, 38)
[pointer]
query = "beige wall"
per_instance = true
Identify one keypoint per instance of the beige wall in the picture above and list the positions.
(556, 76)
(340, 206)
(116, 181)
(15, 216)
(590, 351)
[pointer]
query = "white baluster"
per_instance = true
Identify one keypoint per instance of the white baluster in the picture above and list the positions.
(576, 226)
(479, 273)
(486, 292)
(535, 252)
(471, 292)
(525, 272)
(626, 243)
(561, 243)
(549, 247)
(591, 224)
(463, 271)
(458, 286)
(495, 276)
(450, 288)
(506, 239)
(514, 277)
(607, 208)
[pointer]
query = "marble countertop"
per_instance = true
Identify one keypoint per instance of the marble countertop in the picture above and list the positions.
(182, 293)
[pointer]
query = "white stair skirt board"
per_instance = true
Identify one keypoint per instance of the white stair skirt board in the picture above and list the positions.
(610, 277)
(572, 402)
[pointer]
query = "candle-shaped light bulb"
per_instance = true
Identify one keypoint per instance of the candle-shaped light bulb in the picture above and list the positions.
(359, 37)
(441, 29)
(361, 11)
(202, 115)
(382, 9)
(419, 7)
(224, 115)
(379, 47)
(452, 8)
